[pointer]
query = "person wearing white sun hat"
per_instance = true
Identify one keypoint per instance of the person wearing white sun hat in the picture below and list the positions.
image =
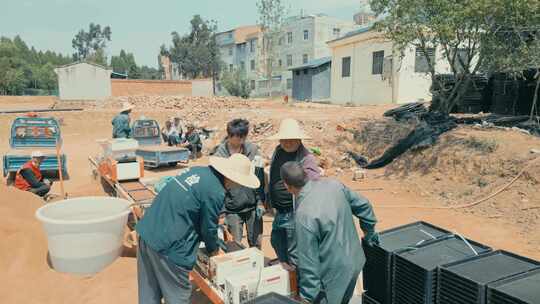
(121, 122)
(185, 212)
(290, 148)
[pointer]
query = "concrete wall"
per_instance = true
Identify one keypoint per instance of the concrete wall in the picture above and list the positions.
(122, 87)
(83, 81)
(202, 87)
(400, 84)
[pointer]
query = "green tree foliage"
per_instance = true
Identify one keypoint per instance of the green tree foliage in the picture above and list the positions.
(196, 53)
(23, 68)
(454, 28)
(150, 73)
(90, 46)
(236, 84)
(125, 64)
(271, 17)
(514, 46)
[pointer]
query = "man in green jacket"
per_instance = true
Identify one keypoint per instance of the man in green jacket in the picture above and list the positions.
(330, 256)
(185, 212)
(121, 122)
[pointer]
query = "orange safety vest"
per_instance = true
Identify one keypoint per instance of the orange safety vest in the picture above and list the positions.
(20, 182)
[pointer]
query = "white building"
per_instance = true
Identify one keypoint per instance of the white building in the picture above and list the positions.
(366, 70)
(83, 81)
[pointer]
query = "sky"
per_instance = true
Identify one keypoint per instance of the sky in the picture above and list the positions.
(138, 26)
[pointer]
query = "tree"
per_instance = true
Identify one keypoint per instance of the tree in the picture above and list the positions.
(150, 73)
(236, 84)
(90, 46)
(456, 28)
(196, 53)
(125, 64)
(271, 17)
(514, 46)
(23, 68)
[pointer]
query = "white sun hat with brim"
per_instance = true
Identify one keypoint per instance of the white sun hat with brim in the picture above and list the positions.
(37, 154)
(126, 106)
(289, 129)
(238, 168)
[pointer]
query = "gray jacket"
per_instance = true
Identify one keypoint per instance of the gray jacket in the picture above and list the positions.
(241, 199)
(330, 255)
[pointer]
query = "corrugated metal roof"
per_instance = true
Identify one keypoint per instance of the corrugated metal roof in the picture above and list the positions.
(313, 64)
(354, 33)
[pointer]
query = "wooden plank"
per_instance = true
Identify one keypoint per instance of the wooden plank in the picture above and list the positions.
(205, 288)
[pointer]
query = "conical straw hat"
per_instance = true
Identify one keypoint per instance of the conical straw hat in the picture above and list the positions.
(237, 168)
(126, 106)
(289, 129)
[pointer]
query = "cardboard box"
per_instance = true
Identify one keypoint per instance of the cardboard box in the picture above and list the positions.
(242, 287)
(234, 263)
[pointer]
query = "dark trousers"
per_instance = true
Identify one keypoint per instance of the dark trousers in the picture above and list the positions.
(283, 238)
(159, 278)
(254, 227)
(41, 191)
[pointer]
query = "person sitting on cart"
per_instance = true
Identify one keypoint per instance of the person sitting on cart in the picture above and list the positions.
(170, 134)
(29, 177)
(193, 141)
(122, 122)
(184, 213)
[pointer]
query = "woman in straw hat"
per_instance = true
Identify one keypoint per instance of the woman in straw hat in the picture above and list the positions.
(290, 148)
(185, 212)
(121, 122)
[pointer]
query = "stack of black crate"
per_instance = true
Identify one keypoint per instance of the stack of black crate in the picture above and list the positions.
(466, 281)
(520, 289)
(416, 270)
(377, 273)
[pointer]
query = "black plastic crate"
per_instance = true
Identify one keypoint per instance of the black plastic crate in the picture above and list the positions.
(466, 281)
(415, 270)
(520, 289)
(377, 273)
(368, 300)
(272, 298)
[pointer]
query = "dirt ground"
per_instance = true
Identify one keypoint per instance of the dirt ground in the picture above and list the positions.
(463, 171)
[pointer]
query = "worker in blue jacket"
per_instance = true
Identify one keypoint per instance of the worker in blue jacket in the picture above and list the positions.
(185, 212)
(330, 256)
(121, 122)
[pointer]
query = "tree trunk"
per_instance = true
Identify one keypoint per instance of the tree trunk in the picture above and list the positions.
(535, 97)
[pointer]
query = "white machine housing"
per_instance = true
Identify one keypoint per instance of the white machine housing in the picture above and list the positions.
(241, 288)
(242, 261)
(120, 148)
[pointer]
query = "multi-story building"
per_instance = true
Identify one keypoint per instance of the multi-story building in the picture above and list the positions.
(303, 38)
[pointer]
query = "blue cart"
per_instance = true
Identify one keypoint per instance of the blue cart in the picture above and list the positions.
(154, 154)
(34, 133)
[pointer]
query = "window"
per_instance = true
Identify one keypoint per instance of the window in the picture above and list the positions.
(378, 61)
(297, 72)
(421, 64)
(252, 84)
(252, 44)
(252, 65)
(305, 58)
(230, 51)
(345, 67)
(230, 35)
(280, 41)
(242, 65)
(337, 31)
(306, 35)
(231, 67)
(219, 87)
(289, 60)
(289, 37)
(306, 72)
(280, 63)
(289, 83)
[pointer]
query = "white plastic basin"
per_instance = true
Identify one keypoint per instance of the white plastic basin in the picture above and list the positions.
(84, 234)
